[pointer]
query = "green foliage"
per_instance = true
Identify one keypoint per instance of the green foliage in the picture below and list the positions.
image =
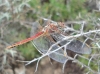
(28, 51)
(58, 10)
(55, 9)
(92, 65)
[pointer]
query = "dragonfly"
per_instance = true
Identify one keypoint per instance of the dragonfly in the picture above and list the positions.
(48, 28)
(51, 33)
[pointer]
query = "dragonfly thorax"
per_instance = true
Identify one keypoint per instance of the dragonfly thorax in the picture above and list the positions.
(53, 27)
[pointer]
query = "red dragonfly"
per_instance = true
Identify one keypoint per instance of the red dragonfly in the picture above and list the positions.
(51, 33)
(48, 28)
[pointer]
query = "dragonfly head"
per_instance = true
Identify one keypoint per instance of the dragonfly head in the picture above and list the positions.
(61, 24)
(53, 27)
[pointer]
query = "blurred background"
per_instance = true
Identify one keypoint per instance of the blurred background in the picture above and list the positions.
(17, 16)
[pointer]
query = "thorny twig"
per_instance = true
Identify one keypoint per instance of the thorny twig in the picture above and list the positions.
(68, 57)
(80, 33)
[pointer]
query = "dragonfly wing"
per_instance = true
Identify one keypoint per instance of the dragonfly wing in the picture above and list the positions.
(79, 47)
(75, 45)
(43, 44)
(58, 57)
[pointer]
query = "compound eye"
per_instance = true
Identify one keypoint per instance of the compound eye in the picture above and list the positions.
(61, 24)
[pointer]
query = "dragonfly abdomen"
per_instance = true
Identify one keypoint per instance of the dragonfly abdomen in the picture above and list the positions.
(26, 40)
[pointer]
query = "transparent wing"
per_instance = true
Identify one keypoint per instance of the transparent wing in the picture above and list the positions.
(75, 45)
(43, 44)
